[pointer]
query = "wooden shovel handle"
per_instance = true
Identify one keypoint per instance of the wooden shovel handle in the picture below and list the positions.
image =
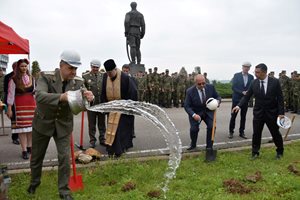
(214, 126)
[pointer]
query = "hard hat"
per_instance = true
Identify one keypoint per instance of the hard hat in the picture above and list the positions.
(284, 122)
(95, 63)
(246, 64)
(71, 57)
(212, 104)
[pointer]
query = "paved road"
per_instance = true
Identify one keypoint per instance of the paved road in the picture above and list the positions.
(148, 139)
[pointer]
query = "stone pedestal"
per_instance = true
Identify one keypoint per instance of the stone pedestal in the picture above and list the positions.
(135, 68)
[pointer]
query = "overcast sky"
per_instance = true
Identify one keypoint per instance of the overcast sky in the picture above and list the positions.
(218, 35)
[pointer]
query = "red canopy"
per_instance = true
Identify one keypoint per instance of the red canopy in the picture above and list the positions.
(11, 42)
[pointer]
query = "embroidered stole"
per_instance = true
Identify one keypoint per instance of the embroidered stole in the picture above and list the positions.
(113, 92)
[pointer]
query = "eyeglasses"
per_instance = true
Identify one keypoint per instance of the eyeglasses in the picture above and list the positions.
(203, 83)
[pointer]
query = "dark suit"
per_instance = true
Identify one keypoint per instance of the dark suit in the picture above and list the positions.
(52, 118)
(238, 87)
(266, 110)
(193, 105)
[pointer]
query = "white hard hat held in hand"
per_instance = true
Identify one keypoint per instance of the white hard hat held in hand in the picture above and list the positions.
(212, 104)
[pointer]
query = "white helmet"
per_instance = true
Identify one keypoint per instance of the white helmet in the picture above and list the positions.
(284, 122)
(212, 104)
(71, 57)
(95, 63)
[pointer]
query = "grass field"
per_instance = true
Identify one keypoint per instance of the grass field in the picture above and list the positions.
(232, 176)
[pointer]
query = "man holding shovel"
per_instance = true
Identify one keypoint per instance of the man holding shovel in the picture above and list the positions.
(195, 106)
(53, 118)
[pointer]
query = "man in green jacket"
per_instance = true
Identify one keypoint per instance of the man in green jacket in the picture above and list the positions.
(53, 118)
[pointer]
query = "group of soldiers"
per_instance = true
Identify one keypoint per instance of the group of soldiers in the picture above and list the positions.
(163, 89)
(291, 90)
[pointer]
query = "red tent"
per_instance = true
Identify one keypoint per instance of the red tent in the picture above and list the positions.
(11, 42)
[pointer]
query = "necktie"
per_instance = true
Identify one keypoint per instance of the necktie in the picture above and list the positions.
(262, 88)
(64, 86)
(203, 98)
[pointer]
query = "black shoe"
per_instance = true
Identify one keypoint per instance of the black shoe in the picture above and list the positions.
(230, 136)
(242, 135)
(65, 196)
(29, 150)
(16, 142)
(279, 156)
(31, 189)
(254, 156)
(191, 148)
(25, 155)
(102, 142)
(92, 145)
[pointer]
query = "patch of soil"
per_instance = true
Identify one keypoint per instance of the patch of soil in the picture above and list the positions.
(154, 194)
(128, 186)
(254, 177)
(293, 168)
(236, 187)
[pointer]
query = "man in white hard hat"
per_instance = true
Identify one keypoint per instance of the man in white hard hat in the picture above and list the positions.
(195, 106)
(240, 84)
(53, 118)
(93, 81)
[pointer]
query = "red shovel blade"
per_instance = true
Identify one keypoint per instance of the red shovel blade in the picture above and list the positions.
(75, 183)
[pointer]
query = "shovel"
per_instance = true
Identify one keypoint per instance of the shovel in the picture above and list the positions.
(75, 182)
(211, 154)
(80, 146)
(287, 132)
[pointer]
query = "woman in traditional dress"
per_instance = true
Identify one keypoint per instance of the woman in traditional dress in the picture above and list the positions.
(20, 93)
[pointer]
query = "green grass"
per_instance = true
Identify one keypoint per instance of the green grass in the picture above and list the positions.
(195, 179)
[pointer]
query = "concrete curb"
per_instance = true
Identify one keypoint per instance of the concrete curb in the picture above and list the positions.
(162, 156)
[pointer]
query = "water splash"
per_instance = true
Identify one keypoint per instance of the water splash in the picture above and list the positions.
(159, 118)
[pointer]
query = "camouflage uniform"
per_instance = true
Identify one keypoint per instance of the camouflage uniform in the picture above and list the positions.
(167, 88)
(285, 83)
(174, 93)
(181, 86)
(296, 94)
(154, 83)
(142, 87)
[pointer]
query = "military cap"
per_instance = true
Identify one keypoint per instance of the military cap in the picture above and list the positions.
(246, 64)
(95, 63)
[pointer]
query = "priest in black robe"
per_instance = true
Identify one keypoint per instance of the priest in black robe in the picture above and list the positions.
(116, 85)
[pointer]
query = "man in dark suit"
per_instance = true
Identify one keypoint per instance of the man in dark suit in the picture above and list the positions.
(240, 84)
(53, 118)
(195, 106)
(268, 106)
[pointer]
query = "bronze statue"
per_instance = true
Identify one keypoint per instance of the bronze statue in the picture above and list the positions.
(134, 32)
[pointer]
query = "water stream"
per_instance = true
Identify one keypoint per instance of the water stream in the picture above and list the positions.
(160, 119)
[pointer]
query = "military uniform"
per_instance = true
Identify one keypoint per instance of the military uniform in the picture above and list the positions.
(2, 88)
(52, 118)
(167, 88)
(154, 85)
(142, 88)
(93, 82)
(285, 86)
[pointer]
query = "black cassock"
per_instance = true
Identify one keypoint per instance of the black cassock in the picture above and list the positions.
(125, 131)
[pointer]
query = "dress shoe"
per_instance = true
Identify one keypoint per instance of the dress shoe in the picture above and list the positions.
(65, 196)
(16, 142)
(230, 136)
(25, 155)
(242, 135)
(191, 148)
(254, 156)
(279, 156)
(102, 142)
(31, 189)
(92, 145)
(29, 150)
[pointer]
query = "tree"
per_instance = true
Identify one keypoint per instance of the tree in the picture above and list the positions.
(35, 72)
